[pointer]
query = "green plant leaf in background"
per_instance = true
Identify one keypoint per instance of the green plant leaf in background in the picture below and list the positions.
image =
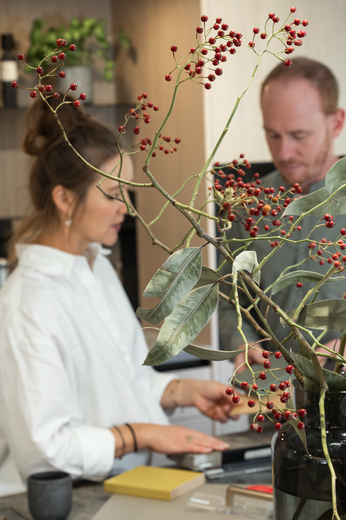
(184, 324)
(171, 283)
(323, 315)
(123, 40)
(247, 261)
(88, 34)
(336, 382)
(212, 354)
(299, 276)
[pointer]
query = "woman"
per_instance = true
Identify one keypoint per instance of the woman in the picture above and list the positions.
(73, 393)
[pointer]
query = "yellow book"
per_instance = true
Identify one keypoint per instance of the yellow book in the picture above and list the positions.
(152, 482)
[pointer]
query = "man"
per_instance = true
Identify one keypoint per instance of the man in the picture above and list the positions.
(301, 119)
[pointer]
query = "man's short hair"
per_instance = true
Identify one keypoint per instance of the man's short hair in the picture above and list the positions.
(318, 74)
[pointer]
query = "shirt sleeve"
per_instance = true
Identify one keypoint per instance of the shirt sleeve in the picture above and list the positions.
(158, 381)
(36, 401)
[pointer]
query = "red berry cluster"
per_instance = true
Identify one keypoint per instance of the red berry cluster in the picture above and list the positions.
(323, 253)
(267, 406)
(205, 59)
(44, 89)
(240, 201)
(287, 34)
(165, 143)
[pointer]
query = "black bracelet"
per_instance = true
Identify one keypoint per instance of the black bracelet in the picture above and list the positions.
(122, 440)
(133, 435)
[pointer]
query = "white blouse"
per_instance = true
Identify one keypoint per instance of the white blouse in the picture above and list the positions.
(71, 354)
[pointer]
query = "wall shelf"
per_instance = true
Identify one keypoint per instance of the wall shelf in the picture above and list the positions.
(12, 122)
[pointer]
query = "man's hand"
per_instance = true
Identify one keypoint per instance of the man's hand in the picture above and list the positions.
(333, 344)
(254, 356)
(208, 396)
(211, 399)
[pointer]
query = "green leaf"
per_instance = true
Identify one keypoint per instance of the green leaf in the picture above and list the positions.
(336, 177)
(184, 324)
(211, 354)
(323, 315)
(294, 423)
(100, 35)
(108, 76)
(299, 276)
(172, 282)
(124, 41)
(75, 23)
(247, 261)
(335, 381)
(208, 276)
(310, 385)
(335, 206)
(300, 433)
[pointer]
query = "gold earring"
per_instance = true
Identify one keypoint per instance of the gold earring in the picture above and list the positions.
(68, 220)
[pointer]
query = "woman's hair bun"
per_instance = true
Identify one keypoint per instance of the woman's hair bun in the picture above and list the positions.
(43, 129)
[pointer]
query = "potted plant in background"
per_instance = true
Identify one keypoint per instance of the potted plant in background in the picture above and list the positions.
(89, 36)
(309, 442)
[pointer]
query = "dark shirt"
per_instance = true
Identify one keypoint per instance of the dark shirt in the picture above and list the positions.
(287, 255)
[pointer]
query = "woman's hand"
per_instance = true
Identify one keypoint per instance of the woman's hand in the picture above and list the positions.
(254, 356)
(177, 439)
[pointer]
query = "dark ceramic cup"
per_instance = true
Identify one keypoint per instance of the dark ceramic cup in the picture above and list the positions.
(50, 495)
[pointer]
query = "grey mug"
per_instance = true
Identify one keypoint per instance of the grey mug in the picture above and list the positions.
(50, 495)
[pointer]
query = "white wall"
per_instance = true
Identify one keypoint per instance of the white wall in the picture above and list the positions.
(325, 41)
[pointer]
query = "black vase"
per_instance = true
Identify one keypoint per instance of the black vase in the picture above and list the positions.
(302, 482)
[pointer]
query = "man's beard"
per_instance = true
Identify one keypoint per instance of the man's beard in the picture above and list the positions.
(312, 171)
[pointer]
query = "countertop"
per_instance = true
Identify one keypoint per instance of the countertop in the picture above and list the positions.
(89, 497)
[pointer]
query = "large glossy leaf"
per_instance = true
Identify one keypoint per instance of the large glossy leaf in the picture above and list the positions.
(304, 204)
(336, 178)
(294, 423)
(184, 323)
(299, 276)
(335, 381)
(323, 315)
(247, 261)
(171, 283)
(211, 354)
(208, 276)
(310, 385)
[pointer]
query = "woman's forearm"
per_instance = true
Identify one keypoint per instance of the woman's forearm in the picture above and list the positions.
(163, 439)
(134, 437)
(180, 393)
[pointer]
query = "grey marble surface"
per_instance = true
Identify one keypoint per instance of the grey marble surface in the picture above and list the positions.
(88, 497)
